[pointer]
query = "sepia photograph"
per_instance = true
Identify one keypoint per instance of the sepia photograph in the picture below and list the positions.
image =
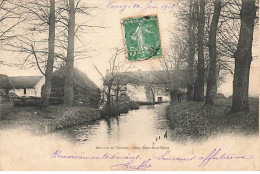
(129, 85)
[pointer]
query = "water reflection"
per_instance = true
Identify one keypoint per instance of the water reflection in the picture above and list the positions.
(145, 125)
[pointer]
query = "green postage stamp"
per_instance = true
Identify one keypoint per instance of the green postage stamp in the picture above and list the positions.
(142, 38)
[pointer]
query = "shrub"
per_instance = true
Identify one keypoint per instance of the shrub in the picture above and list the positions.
(220, 96)
(122, 107)
(133, 105)
(187, 123)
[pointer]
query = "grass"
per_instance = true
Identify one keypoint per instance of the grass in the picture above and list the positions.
(193, 120)
(45, 120)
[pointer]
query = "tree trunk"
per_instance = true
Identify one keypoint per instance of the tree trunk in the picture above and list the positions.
(191, 40)
(117, 99)
(199, 83)
(117, 96)
(108, 103)
(153, 94)
(212, 76)
(243, 57)
(49, 70)
(68, 88)
(173, 95)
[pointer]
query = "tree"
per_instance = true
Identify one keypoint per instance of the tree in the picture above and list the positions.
(32, 44)
(69, 32)
(212, 76)
(191, 52)
(199, 82)
(112, 82)
(68, 85)
(9, 19)
(172, 76)
(51, 54)
(243, 56)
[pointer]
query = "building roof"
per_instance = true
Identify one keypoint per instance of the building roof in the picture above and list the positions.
(79, 78)
(177, 78)
(83, 79)
(22, 82)
(4, 82)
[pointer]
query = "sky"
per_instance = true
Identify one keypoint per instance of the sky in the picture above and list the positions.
(105, 40)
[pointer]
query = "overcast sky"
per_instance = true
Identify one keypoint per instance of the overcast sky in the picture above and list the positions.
(104, 41)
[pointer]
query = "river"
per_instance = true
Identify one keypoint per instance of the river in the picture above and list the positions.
(147, 125)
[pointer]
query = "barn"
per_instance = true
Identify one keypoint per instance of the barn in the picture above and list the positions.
(86, 92)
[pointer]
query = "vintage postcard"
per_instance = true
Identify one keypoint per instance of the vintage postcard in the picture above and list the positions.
(129, 85)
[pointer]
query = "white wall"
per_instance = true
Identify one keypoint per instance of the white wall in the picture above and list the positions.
(137, 93)
(35, 92)
(38, 87)
(20, 92)
(160, 92)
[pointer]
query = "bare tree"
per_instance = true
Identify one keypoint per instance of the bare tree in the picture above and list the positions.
(69, 34)
(9, 19)
(114, 81)
(51, 54)
(227, 31)
(109, 82)
(32, 44)
(243, 56)
(68, 85)
(150, 90)
(191, 52)
(173, 78)
(199, 82)
(212, 76)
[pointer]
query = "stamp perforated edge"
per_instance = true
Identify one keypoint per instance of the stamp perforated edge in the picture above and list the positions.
(124, 40)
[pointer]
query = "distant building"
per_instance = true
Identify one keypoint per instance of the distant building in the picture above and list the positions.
(86, 92)
(27, 85)
(147, 86)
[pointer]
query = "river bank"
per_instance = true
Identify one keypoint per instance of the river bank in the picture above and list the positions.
(143, 126)
(193, 120)
(47, 120)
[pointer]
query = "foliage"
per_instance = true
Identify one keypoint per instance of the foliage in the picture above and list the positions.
(123, 106)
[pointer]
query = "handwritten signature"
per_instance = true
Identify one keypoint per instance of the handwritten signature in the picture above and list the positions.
(131, 166)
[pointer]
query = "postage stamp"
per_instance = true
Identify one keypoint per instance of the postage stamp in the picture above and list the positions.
(142, 38)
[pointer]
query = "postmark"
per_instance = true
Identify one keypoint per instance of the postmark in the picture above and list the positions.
(142, 38)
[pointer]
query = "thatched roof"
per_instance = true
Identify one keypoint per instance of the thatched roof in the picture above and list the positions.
(80, 78)
(147, 77)
(4, 82)
(22, 82)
